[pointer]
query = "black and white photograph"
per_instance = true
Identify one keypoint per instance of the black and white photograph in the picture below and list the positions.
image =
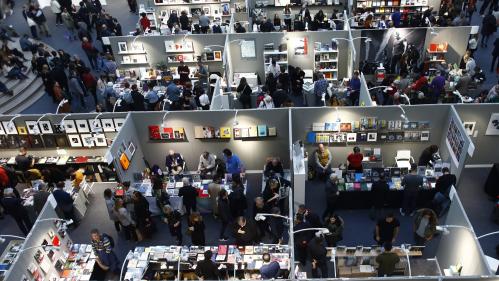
(82, 126)
(118, 123)
(35, 141)
(70, 126)
(95, 125)
(100, 140)
(87, 140)
(493, 127)
(391, 47)
(45, 127)
(469, 127)
(122, 47)
(372, 137)
(10, 128)
(74, 140)
(33, 128)
(107, 125)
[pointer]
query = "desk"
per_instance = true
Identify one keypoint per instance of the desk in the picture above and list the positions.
(362, 199)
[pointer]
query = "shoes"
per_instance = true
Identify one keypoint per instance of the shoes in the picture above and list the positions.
(412, 214)
(222, 239)
(401, 212)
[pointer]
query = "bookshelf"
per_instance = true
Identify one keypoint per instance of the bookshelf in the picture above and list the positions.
(435, 55)
(389, 6)
(326, 60)
(279, 55)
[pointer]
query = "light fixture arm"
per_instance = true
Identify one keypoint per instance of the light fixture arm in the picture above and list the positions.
(59, 106)
(321, 229)
(271, 215)
(11, 121)
(118, 102)
(487, 234)
(64, 118)
(128, 256)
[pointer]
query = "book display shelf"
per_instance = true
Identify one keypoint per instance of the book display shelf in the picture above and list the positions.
(326, 60)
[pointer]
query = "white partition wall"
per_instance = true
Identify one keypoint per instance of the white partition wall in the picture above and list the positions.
(365, 95)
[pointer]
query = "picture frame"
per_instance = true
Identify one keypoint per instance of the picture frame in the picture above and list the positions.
(23, 141)
(45, 127)
(35, 141)
(118, 123)
(126, 59)
(2, 131)
(10, 127)
(12, 141)
(207, 11)
(351, 137)
(493, 126)
(82, 126)
(216, 12)
(95, 125)
(163, 13)
(70, 126)
(122, 47)
(61, 141)
(3, 142)
(225, 9)
(75, 140)
(100, 140)
(469, 127)
(87, 140)
(137, 47)
(33, 128)
(372, 137)
(131, 149)
(22, 130)
(217, 55)
(108, 125)
(49, 141)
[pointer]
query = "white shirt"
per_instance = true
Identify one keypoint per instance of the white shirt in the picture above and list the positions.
(265, 105)
(274, 70)
(470, 66)
(472, 44)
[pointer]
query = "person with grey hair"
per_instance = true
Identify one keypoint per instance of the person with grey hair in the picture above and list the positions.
(189, 195)
(13, 206)
(174, 220)
(40, 198)
(332, 194)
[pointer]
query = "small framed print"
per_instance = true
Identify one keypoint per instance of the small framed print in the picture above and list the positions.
(122, 47)
(95, 125)
(3, 142)
(74, 140)
(118, 123)
(137, 47)
(108, 125)
(82, 126)
(163, 13)
(217, 55)
(216, 12)
(126, 59)
(70, 126)
(22, 130)
(2, 131)
(207, 11)
(469, 127)
(87, 140)
(61, 141)
(100, 140)
(351, 137)
(10, 128)
(45, 127)
(49, 141)
(33, 128)
(36, 141)
(23, 141)
(372, 137)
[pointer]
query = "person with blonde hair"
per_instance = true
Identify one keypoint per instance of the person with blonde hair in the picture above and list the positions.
(196, 229)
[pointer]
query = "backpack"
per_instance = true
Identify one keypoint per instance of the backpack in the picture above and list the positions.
(111, 240)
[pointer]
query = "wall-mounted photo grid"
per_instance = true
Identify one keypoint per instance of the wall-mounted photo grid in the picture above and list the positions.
(455, 142)
(45, 135)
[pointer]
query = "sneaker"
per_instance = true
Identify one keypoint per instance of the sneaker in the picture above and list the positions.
(401, 212)
(412, 214)
(222, 239)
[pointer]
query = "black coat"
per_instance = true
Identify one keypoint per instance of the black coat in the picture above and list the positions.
(224, 210)
(197, 235)
(189, 195)
(379, 191)
(13, 206)
(249, 237)
(237, 202)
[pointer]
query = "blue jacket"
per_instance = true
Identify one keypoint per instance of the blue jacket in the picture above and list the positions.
(270, 270)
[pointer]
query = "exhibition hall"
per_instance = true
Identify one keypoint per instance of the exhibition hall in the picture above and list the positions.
(249, 140)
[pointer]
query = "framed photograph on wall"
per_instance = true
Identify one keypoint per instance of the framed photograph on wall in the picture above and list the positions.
(108, 125)
(226, 9)
(372, 137)
(163, 13)
(70, 126)
(49, 141)
(82, 126)
(74, 140)
(35, 141)
(248, 49)
(45, 127)
(207, 11)
(137, 47)
(469, 127)
(95, 125)
(100, 140)
(22, 130)
(493, 127)
(10, 128)
(61, 141)
(118, 123)
(122, 47)
(217, 55)
(33, 128)
(3, 142)
(87, 140)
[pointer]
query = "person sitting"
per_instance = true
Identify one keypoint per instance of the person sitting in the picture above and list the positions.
(427, 155)
(323, 161)
(206, 163)
(207, 269)
(239, 28)
(174, 163)
(273, 168)
(269, 269)
(387, 261)
(355, 160)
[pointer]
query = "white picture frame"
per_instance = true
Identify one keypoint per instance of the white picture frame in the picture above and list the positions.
(118, 123)
(70, 126)
(122, 47)
(74, 140)
(372, 137)
(32, 127)
(87, 140)
(45, 127)
(493, 126)
(108, 125)
(82, 126)
(351, 137)
(131, 149)
(95, 125)
(137, 47)
(425, 135)
(10, 127)
(207, 10)
(2, 131)
(100, 140)
(469, 127)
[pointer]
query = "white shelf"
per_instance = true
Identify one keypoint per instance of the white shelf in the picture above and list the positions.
(134, 63)
(188, 4)
(277, 62)
(275, 52)
(328, 70)
(326, 61)
(322, 51)
(132, 53)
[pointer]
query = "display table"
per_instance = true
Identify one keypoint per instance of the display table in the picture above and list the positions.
(9, 255)
(80, 264)
(175, 262)
(364, 199)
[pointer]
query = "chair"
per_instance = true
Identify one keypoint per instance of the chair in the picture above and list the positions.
(404, 159)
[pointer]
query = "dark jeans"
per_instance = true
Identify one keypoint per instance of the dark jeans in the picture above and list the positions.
(204, 29)
(418, 240)
(494, 58)
(322, 267)
(117, 226)
(222, 230)
(92, 59)
(130, 232)
(485, 40)
(409, 201)
(58, 18)
(24, 223)
(301, 254)
(189, 207)
(34, 32)
(330, 206)
(177, 232)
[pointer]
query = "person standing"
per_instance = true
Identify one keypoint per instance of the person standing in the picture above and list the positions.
(427, 155)
(102, 246)
(64, 201)
(244, 92)
(40, 198)
(237, 199)
(13, 206)
(124, 219)
(489, 27)
(245, 232)
(202, 75)
(142, 214)
(56, 9)
(90, 51)
(223, 213)
(196, 229)
(233, 164)
(204, 23)
(206, 163)
(77, 92)
(41, 20)
(323, 160)
(174, 220)
(335, 226)
(379, 192)
(214, 190)
(411, 183)
(207, 269)
(425, 226)
(320, 90)
(355, 160)
(387, 229)
(110, 204)
(301, 239)
(189, 194)
(495, 54)
(387, 261)
(318, 255)
(23, 160)
(332, 194)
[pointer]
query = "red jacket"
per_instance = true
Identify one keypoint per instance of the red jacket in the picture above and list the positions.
(145, 23)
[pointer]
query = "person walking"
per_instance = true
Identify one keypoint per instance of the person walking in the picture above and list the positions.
(142, 214)
(425, 226)
(124, 219)
(41, 21)
(495, 54)
(332, 194)
(174, 220)
(318, 255)
(68, 21)
(90, 51)
(196, 229)
(379, 192)
(387, 229)
(102, 246)
(64, 201)
(189, 194)
(13, 206)
(223, 213)
(56, 9)
(411, 183)
(77, 91)
(110, 205)
(489, 27)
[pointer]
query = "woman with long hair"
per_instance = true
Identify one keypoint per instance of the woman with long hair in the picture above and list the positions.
(196, 228)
